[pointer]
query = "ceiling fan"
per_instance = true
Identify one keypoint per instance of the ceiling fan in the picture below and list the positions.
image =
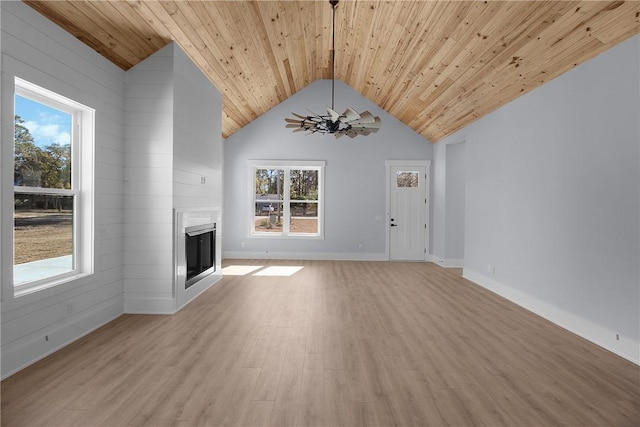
(349, 123)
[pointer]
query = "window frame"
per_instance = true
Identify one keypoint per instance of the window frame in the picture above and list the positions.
(82, 185)
(286, 166)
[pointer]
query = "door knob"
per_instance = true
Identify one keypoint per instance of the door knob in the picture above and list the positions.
(394, 225)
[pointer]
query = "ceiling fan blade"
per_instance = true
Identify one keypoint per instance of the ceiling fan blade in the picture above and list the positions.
(292, 125)
(350, 114)
(299, 115)
(367, 117)
(288, 120)
(310, 119)
(358, 131)
(368, 130)
(333, 115)
(375, 124)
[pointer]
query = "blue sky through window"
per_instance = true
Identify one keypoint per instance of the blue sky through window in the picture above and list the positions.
(47, 125)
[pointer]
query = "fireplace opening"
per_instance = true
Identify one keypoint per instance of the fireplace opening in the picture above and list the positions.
(200, 252)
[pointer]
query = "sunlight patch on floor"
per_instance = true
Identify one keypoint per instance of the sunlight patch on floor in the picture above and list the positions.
(279, 270)
(240, 270)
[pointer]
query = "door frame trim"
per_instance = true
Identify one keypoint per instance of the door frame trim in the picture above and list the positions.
(427, 165)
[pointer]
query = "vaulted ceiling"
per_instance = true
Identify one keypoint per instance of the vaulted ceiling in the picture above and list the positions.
(435, 65)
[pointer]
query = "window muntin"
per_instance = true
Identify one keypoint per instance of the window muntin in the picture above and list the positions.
(287, 199)
(53, 186)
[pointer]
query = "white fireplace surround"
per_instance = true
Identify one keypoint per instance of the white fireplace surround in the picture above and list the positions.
(184, 218)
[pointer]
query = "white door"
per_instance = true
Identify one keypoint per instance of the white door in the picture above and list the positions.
(407, 200)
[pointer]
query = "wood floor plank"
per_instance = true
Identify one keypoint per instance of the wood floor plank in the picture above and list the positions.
(257, 413)
(267, 383)
(340, 409)
(338, 343)
(285, 409)
(311, 410)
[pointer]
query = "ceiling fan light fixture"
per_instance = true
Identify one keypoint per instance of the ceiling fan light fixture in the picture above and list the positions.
(350, 123)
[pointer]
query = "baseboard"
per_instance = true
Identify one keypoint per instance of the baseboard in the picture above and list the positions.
(28, 350)
(146, 304)
(626, 347)
(311, 256)
(447, 262)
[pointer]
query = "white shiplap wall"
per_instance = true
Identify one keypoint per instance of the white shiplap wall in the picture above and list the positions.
(173, 140)
(197, 147)
(145, 166)
(38, 51)
(148, 190)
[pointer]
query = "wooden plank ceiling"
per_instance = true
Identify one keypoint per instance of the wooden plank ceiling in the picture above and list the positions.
(435, 65)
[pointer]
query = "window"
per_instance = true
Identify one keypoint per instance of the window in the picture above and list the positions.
(53, 183)
(407, 179)
(287, 198)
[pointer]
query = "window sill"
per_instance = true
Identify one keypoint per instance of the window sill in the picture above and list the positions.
(287, 236)
(31, 288)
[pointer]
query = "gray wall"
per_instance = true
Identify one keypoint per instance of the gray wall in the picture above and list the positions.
(552, 200)
(354, 180)
(448, 198)
(438, 202)
(454, 203)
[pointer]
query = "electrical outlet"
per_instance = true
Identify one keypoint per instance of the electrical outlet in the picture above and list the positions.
(242, 245)
(491, 269)
(360, 246)
(617, 337)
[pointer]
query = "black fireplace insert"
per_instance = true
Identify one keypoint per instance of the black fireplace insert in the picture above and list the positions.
(200, 252)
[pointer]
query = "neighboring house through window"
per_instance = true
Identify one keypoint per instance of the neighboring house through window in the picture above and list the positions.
(287, 198)
(53, 188)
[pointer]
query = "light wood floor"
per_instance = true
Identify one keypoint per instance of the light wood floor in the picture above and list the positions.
(335, 344)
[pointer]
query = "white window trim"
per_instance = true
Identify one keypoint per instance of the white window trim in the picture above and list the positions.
(286, 165)
(83, 147)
